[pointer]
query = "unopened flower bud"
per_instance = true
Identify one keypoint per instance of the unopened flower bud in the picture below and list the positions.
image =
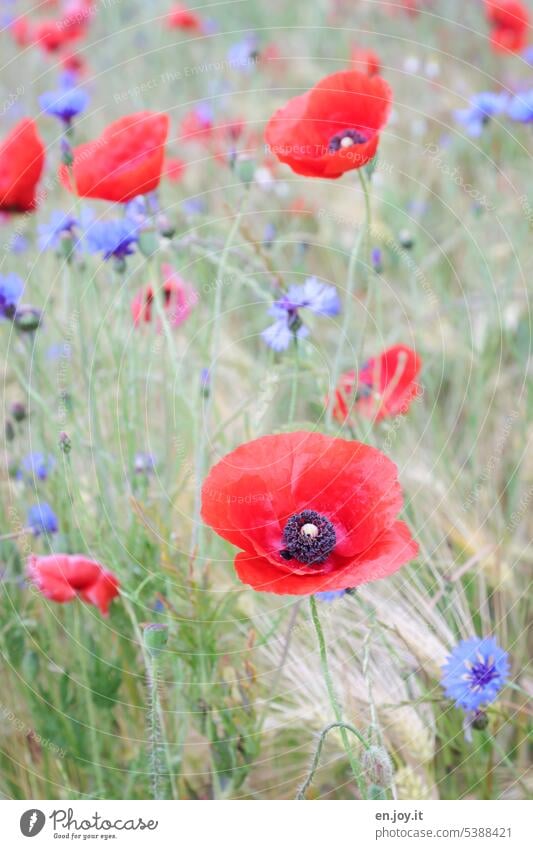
(406, 239)
(245, 169)
(377, 766)
(165, 227)
(480, 720)
(148, 242)
(155, 637)
(65, 444)
(18, 411)
(27, 318)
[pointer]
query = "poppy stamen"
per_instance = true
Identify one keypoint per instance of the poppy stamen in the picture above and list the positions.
(345, 139)
(309, 538)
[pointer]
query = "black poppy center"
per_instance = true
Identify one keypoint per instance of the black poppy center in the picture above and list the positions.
(309, 538)
(345, 139)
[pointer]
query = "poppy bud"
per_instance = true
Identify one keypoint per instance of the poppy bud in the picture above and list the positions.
(148, 242)
(18, 411)
(406, 239)
(65, 444)
(480, 720)
(27, 319)
(377, 766)
(165, 227)
(10, 431)
(245, 169)
(155, 637)
(119, 264)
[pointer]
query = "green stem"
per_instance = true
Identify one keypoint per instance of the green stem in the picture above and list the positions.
(350, 285)
(213, 367)
(91, 716)
(332, 696)
(294, 383)
(344, 726)
(154, 726)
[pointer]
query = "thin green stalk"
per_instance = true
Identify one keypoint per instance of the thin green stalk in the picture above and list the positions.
(344, 726)
(128, 606)
(294, 383)
(332, 696)
(154, 725)
(213, 368)
(91, 716)
(350, 285)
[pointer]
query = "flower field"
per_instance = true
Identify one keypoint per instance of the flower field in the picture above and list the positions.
(265, 338)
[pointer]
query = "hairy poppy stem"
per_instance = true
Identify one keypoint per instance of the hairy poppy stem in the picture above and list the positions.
(154, 727)
(91, 715)
(332, 696)
(318, 751)
(350, 285)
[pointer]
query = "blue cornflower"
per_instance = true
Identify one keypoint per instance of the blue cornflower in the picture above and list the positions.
(137, 211)
(42, 519)
(114, 239)
(243, 54)
(520, 108)
(65, 103)
(60, 224)
(528, 54)
(18, 244)
(194, 206)
(332, 595)
(483, 106)
(377, 260)
(11, 287)
(314, 295)
(475, 672)
(269, 235)
(36, 465)
(144, 463)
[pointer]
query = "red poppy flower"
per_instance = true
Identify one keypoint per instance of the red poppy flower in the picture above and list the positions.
(365, 61)
(74, 62)
(126, 161)
(62, 577)
(385, 386)
(21, 30)
(178, 299)
(309, 512)
(22, 156)
(50, 35)
(332, 128)
(509, 20)
(182, 18)
(197, 125)
(174, 169)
